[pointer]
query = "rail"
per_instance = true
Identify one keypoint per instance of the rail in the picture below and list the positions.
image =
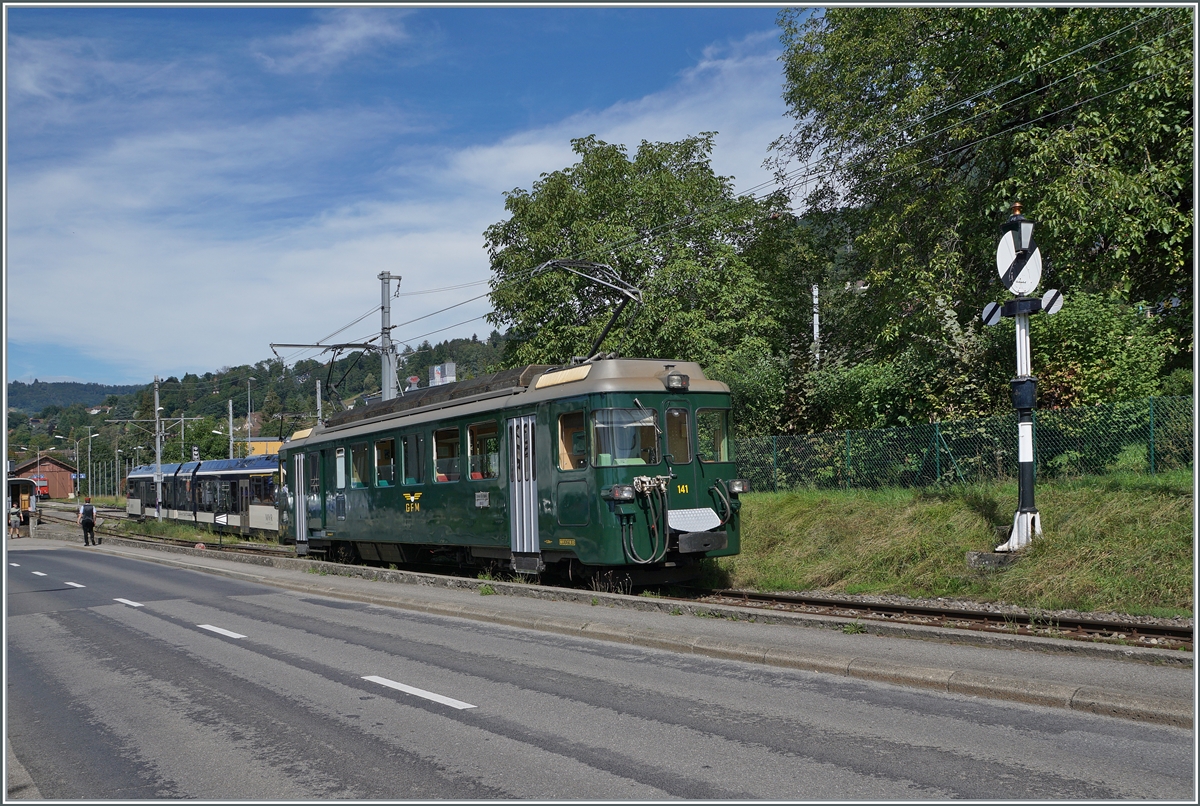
(1039, 623)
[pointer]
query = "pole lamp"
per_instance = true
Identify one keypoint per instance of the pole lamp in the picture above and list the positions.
(222, 433)
(60, 436)
(90, 437)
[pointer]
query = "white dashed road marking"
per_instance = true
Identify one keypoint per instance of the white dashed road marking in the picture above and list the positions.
(76, 585)
(219, 631)
(429, 695)
(38, 574)
(15, 565)
(127, 602)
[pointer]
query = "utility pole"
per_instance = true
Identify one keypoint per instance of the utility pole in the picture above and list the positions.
(319, 420)
(387, 353)
(157, 456)
(231, 428)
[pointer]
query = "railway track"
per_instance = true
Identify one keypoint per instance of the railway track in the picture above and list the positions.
(1132, 631)
(61, 516)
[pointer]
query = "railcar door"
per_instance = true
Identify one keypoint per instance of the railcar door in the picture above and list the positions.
(300, 503)
(244, 505)
(523, 495)
(316, 497)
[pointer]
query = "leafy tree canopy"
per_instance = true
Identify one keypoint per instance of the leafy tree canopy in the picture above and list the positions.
(665, 223)
(917, 128)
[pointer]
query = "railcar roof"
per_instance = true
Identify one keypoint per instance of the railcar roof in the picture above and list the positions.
(249, 464)
(516, 387)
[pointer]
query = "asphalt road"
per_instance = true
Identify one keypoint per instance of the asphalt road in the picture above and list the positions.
(164, 683)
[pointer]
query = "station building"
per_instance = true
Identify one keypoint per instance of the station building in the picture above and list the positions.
(54, 478)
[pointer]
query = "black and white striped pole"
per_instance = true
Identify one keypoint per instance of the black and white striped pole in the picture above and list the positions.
(1019, 263)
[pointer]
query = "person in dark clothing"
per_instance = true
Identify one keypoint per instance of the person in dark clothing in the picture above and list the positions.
(87, 518)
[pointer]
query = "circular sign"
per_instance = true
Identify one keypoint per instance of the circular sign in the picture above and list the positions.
(1052, 301)
(991, 313)
(1019, 271)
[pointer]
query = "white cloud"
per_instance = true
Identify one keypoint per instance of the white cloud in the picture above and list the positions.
(340, 35)
(194, 247)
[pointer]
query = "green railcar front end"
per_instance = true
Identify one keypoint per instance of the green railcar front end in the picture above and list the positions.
(622, 465)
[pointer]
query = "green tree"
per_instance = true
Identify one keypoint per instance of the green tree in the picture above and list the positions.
(665, 223)
(918, 127)
(1096, 350)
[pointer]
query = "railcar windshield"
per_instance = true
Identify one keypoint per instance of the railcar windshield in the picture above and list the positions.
(624, 437)
(712, 435)
(679, 442)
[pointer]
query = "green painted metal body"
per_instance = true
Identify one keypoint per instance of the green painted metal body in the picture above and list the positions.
(470, 510)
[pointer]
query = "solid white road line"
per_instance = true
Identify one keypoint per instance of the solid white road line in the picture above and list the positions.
(76, 585)
(38, 574)
(127, 602)
(218, 630)
(429, 695)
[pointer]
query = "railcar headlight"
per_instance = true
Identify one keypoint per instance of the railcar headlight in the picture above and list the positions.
(739, 485)
(677, 382)
(619, 492)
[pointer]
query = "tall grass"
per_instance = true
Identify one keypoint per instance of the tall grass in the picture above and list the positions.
(1118, 542)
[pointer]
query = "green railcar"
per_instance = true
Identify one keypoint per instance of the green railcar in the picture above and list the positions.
(613, 464)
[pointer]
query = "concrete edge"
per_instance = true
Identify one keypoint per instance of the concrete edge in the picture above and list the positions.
(19, 785)
(1135, 707)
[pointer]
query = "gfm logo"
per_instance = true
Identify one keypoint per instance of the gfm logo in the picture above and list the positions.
(414, 502)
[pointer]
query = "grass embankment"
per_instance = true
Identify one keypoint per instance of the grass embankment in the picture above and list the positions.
(1119, 543)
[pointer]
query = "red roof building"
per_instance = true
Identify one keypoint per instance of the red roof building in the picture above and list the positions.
(52, 476)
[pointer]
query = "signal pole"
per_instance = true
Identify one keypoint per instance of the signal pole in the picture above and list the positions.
(1019, 263)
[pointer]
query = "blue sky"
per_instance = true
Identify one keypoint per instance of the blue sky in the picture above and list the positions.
(185, 186)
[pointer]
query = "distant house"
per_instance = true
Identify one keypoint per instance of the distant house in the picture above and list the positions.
(99, 410)
(261, 446)
(52, 476)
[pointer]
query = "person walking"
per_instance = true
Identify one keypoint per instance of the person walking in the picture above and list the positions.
(87, 518)
(14, 522)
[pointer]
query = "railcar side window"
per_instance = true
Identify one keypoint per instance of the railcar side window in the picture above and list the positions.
(340, 467)
(624, 437)
(446, 450)
(385, 462)
(712, 435)
(679, 442)
(410, 469)
(360, 462)
(484, 450)
(262, 489)
(572, 441)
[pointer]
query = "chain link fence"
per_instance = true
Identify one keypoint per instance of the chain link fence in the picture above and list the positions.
(1144, 436)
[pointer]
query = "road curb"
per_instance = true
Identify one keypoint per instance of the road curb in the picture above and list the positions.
(1136, 707)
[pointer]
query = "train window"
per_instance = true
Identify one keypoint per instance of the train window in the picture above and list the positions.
(712, 435)
(410, 459)
(312, 464)
(446, 448)
(360, 461)
(385, 462)
(484, 450)
(262, 489)
(679, 442)
(572, 441)
(340, 468)
(624, 437)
